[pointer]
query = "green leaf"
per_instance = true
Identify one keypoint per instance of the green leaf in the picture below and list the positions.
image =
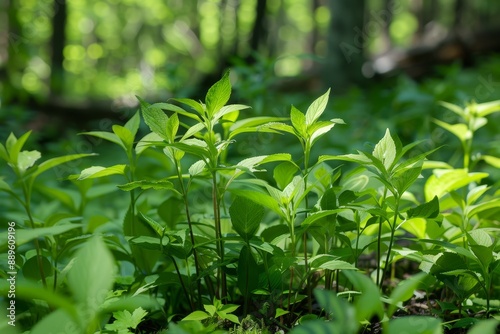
(444, 181)
(329, 200)
(456, 109)
(251, 163)
(298, 121)
(26, 159)
(415, 325)
(172, 127)
(479, 237)
(14, 146)
(426, 210)
(57, 322)
(284, 173)
(368, 304)
(460, 130)
(155, 118)
(51, 163)
(133, 124)
(473, 210)
(111, 137)
(330, 262)
(25, 235)
(258, 197)
(151, 139)
(3, 153)
(404, 291)
(198, 107)
(484, 109)
(196, 315)
(248, 272)
(232, 108)
(485, 326)
(218, 95)
(124, 134)
(147, 184)
(99, 171)
(125, 320)
(157, 227)
(88, 279)
(317, 216)
(318, 130)
(385, 150)
(246, 216)
(491, 160)
(317, 108)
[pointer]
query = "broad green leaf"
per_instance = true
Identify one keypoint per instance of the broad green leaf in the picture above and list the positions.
(258, 197)
(329, 200)
(416, 226)
(172, 127)
(357, 158)
(341, 313)
(415, 325)
(91, 280)
(479, 237)
(3, 153)
(491, 160)
(133, 123)
(192, 146)
(151, 139)
(125, 320)
(485, 326)
(385, 150)
(453, 248)
(15, 145)
(99, 171)
(368, 303)
(456, 109)
(196, 315)
(218, 95)
(477, 123)
(227, 110)
(460, 130)
(318, 130)
(51, 163)
(155, 118)
(246, 216)
(157, 227)
(109, 136)
(474, 194)
(58, 322)
(124, 134)
(484, 109)
(298, 120)
(317, 216)
(445, 181)
(195, 129)
(284, 173)
(251, 124)
(25, 235)
(317, 108)
(403, 179)
(330, 262)
(147, 184)
(197, 168)
(251, 163)
(197, 106)
(473, 210)
(248, 272)
(426, 210)
(404, 291)
(26, 159)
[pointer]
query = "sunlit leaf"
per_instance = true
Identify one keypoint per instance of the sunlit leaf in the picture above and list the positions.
(317, 108)
(298, 120)
(99, 171)
(218, 95)
(26, 159)
(246, 216)
(385, 150)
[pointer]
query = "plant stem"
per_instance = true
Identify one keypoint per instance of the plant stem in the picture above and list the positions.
(391, 241)
(221, 292)
(190, 226)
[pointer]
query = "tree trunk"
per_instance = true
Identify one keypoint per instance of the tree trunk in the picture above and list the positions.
(347, 37)
(259, 30)
(58, 42)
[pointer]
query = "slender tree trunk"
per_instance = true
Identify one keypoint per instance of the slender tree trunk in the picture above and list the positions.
(347, 37)
(459, 13)
(259, 31)
(57, 44)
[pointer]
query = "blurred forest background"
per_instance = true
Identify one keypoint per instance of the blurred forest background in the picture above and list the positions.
(78, 61)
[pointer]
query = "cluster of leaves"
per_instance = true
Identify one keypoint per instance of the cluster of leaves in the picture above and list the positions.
(229, 241)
